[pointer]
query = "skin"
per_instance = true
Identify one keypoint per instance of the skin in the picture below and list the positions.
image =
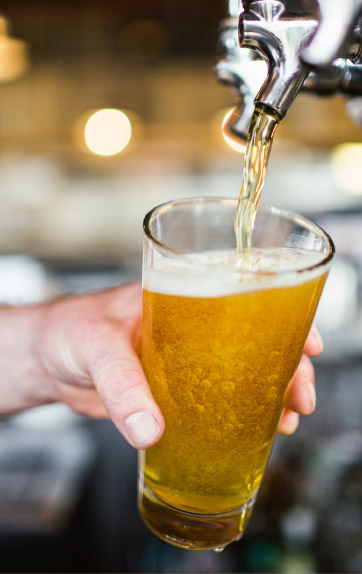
(84, 351)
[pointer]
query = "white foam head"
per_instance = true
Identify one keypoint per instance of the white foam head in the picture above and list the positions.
(220, 273)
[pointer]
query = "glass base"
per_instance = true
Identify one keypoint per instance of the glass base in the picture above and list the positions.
(192, 530)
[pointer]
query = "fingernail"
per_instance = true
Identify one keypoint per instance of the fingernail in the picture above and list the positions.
(312, 394)
(141, 429)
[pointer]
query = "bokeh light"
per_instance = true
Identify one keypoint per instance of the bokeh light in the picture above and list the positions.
(346, 164)
(233, 143)
(107, 132)
(14, 57)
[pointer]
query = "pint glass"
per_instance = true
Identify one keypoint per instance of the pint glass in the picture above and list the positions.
(220, 342)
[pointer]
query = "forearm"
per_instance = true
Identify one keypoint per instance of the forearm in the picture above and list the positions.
(24, 382)
(80, 351)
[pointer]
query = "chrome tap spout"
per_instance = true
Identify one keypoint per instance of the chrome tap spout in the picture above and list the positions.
(279, 38)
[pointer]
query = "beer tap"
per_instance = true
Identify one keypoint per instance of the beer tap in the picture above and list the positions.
(241, 70)
(279, 38)
(289, 43)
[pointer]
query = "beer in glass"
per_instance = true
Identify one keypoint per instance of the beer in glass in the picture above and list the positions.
(222, 336)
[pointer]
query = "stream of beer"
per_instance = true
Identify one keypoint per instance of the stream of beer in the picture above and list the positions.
(261, 133)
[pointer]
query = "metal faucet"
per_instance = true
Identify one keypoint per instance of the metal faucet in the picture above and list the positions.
(298, 52)
(241, 70)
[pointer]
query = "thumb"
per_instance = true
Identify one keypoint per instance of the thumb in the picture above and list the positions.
(122, 386)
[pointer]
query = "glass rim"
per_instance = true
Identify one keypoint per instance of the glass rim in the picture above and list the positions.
(283, 213)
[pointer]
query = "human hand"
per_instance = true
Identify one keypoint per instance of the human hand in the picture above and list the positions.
(81, 351)
(300, 396)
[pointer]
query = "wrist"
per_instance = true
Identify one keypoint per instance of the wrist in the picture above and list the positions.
(24, 381)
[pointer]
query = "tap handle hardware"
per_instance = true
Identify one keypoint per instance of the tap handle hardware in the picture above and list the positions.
(336, 34)
(241, 70)
(279, 38)
(270, 54)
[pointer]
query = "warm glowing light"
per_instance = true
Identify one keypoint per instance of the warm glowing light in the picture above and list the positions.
(107, 132)
(346, 164)
(233, 143)
(14, 58)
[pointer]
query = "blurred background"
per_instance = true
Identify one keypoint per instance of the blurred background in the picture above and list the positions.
(76, 180)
